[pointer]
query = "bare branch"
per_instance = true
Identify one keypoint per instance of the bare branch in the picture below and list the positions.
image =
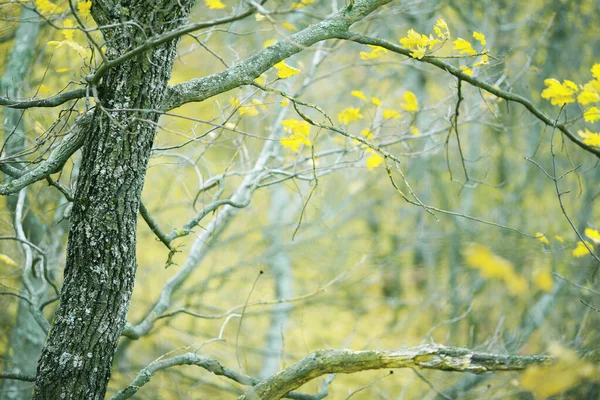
(17, 376)
(431, 356)
(54, 163)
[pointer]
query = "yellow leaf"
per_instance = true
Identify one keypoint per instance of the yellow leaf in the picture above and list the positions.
(596, 71)
(375, 101)
(259, 17)
(289, 26)
(464, 47)
(484, 60)
(559, 238)
(44, 89)
(260, 80)
(214, 4)
(61, 70)
(8, 261)
(373, 161)
(269, 42)
(592, 114)
(559, 94)
(284, 102)
(418, 52)
(543, 239)
(589, 138)
(376, 52)
(581, 250)
(414, 130)
(410, 103)
(47, 7)
(248, 110)
(349, 114)
(299, 132)
(592, 234)
(586, 97)
(391, 114)
(480, 37)
(466, 70)
(414, 39)
(285, 71)
(491, 266)
(366, 133)
(441, 29)
(84, 8)
(567, 372)
(359, 94)
(68, 33)
(543, 280)
(260, 104)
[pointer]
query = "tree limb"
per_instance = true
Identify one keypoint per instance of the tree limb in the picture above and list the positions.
(451, 69)
(246, 71)
(431, 356)
(17, 376)
(54, 163)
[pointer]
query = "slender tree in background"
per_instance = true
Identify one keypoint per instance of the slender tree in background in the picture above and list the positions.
(126, 96)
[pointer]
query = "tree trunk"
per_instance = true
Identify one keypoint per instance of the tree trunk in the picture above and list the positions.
(100, 268)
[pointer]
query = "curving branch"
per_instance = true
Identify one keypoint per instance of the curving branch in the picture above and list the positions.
(246, 71)
(144, 376)
(53, 101)
(451, 69)
(430, 356)
(154, 42)
(213, 366)
(54, 163)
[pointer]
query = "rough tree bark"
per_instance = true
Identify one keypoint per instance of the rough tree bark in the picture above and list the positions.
(100, 268)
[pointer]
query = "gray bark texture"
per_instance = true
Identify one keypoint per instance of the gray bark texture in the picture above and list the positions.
(100, 269)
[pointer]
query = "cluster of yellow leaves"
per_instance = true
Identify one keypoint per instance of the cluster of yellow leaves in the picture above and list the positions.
(302, 3)
(250, 110)
(559, 93)
(568, 371)
(47, 7)
(84, 8)
(285, 71)
(374, 160)
(349, 114)
(545, 241)
(590, 138)
(214, 4)
(418, 43)
(581, 250)
(465, 47)
(376, 52)
(564, 93)
(491, 266)
(299, 132)
(69, 41)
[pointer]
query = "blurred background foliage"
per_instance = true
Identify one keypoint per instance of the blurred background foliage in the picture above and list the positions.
(400, 276)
